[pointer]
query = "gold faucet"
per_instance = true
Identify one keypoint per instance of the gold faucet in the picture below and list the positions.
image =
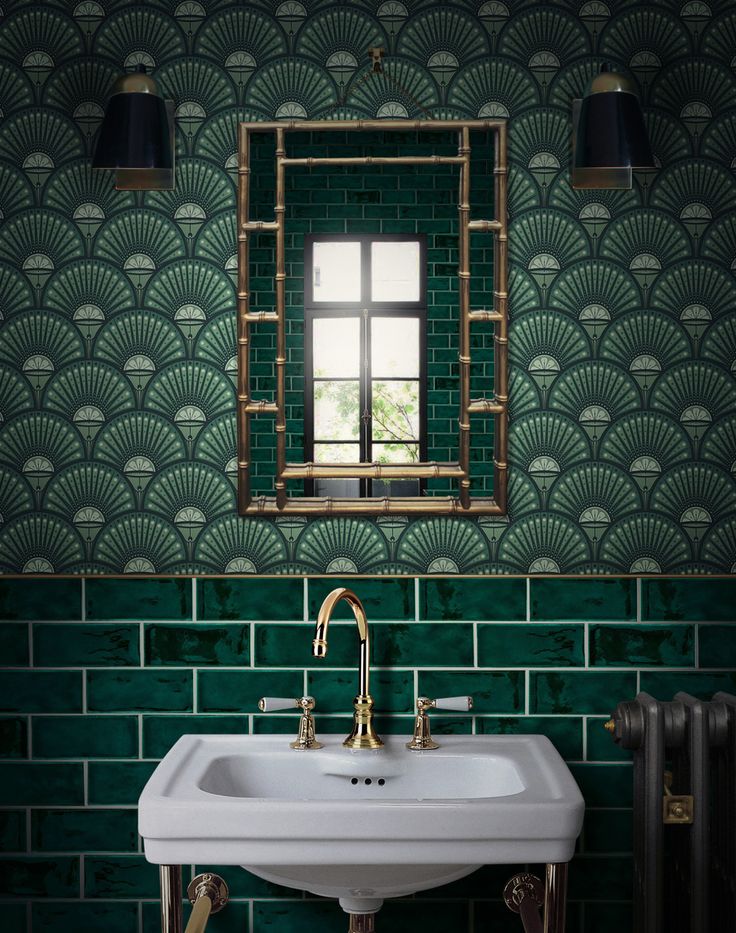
(363, 734)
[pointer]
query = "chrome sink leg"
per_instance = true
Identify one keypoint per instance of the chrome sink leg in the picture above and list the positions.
(555, 897)
(171, 901)
(362, 923)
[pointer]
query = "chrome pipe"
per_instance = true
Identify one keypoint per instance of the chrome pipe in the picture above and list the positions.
(555, 897)
(171, 912)
(208, 894)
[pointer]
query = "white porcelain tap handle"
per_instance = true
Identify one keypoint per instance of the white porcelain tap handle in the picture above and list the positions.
(276, 704)
(458, 704)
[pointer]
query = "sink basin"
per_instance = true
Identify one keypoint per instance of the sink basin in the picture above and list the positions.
(360, 825)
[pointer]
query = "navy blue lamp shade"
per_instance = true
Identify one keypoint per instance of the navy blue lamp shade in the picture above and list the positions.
(135, 132)
(610, 132)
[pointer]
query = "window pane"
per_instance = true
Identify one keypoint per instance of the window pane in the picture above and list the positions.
(335, 271)
(395, 410)
(395, 270)
(338, 489)
(396, 453)
(336, 410)
(395, 346)
(336, 347)
(337, 453)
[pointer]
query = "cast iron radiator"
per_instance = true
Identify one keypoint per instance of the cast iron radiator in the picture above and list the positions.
(684, 811)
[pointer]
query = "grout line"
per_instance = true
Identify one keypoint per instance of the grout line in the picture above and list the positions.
(85, 782)
(140, 736)
(195, 690)
(586, 644)
(142, 644)
(29, 737)
(30, 645)
(417, 614)
(528, 599)
(585, 738)
(696, 646)
(194, 599)
(305, 605)
(84, 692)
(29, 846)
(83, 611)
(81, 875)
(475, 644)
(29, 917)
(527, 688)
(638, 599)
(252, 651)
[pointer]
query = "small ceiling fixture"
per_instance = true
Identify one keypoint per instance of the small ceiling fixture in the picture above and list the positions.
(609, 136)
(136, 138)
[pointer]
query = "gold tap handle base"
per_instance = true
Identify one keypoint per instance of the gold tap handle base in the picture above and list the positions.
(363, 736)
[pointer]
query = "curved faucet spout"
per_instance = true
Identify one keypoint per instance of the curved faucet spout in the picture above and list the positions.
(363, 734)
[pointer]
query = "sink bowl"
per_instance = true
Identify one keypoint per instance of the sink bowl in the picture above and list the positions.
(360, 825)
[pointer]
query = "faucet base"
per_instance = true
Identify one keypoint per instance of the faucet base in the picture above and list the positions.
(363, 735)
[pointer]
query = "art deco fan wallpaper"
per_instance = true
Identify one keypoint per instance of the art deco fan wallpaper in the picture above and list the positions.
(117, 444)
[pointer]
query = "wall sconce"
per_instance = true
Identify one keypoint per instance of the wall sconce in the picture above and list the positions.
(609, 138)
(136, 138)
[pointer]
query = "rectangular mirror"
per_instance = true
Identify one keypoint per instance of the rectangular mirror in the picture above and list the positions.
(372, 310)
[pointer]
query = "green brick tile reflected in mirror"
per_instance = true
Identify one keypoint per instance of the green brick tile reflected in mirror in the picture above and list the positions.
(14, 644)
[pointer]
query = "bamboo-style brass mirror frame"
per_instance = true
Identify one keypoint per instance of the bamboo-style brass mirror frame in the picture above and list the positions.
(248, 407)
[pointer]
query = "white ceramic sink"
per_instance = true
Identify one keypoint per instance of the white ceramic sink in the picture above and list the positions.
(360, 825)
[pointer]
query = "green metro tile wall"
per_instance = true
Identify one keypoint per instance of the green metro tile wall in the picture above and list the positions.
(117, 446)
(86, 721)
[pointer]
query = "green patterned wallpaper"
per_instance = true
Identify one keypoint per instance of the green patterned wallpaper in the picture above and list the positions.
(117, 397)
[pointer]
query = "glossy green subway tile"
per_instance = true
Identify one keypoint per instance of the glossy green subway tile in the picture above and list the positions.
(12, 830)
(13, 737)
(233, 920)
(391, 600)
(160, 598)
(609, 917)
(14, 644)
(663, 685)
(40, 599)
(579, 691)
(601, 878)
(243, 883)
(532, 645)
(421, 644)
(123, 876)
(605, 785)
(31, 784)
(334, 690)
(586, 600)
(600, 743)
(492, 691)
(115, 783)
(286, 724)
(89, 830)
(15, 918)
(565, 732)
(291, 645)
(717, 645)
(642, 645)
(258, 599)
(240, 691)
(39, 876)
(483, 599)
(197, 643)
(81, 644)
(112, 690)
(161, 732)
(608, 830)
(689, 599)
(41, 691)
(86, 917)
(85, 736)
